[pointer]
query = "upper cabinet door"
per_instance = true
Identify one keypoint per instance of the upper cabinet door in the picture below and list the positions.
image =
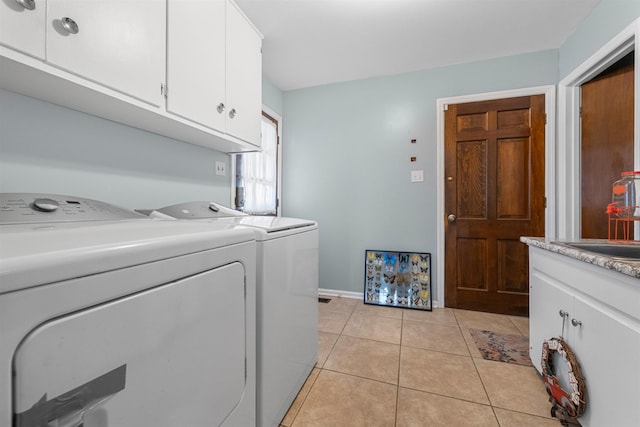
(22, 26)
(119, 44)
(195, 61)
(244, 77)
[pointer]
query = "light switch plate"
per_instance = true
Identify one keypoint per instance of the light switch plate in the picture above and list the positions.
(220, 169)
(417, 176)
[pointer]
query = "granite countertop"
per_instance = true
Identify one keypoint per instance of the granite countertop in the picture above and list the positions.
(629, 267)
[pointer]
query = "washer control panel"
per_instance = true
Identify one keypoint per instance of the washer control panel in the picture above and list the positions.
(26, 208)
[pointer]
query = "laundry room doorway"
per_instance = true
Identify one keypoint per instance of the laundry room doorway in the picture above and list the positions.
(606, 141)
(494, 192)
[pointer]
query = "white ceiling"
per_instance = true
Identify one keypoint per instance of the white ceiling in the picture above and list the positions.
(315, 42)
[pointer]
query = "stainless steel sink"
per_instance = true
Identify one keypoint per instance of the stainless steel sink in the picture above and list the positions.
(616, 250)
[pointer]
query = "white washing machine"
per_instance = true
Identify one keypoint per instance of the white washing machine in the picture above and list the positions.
(287, 300)
(108, 318)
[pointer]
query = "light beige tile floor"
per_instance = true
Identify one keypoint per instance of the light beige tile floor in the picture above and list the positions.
(390, 367)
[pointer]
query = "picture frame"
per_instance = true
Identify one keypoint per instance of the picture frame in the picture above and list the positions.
(398, 279)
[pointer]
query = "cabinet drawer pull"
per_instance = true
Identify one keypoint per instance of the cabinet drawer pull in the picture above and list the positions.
(70, 25)
(576, 322)
(220, 108)
(232, 113)
(27, 4)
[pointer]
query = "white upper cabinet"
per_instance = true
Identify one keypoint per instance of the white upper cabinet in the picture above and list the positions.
(22, 26)
(214, 67)
(244, 77)
(195, 60)
(119, 44)
(190, 70)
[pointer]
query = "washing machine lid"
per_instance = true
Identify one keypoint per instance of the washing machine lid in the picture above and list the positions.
(274, 224)
(196, 210)
(38, 254)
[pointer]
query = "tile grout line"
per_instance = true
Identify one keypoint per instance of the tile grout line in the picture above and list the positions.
(476, 369)
(398, 377)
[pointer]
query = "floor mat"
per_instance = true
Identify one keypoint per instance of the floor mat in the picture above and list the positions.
(502, 347)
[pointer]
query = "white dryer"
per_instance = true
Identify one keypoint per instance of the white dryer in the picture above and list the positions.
(287, 300)
(108, 318)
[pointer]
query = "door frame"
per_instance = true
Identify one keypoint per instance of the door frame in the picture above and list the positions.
(569, 138)
(550, 146)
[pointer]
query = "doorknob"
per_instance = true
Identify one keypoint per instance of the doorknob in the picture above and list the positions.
(451, 218)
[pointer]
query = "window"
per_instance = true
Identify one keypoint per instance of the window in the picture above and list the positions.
(257, 174)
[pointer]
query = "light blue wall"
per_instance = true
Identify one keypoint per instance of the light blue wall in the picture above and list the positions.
(606, 20)
(272, 97)
(47, 148)
(347, 157)
(51, 149)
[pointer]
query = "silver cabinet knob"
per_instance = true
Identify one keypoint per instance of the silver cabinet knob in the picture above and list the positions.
(232, 113)
(70, 25)
(563, 313)
(451, 218)
(576, 322)
(27, 4)
(220, 108)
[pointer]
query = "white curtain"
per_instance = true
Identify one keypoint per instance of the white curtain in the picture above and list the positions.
(259, 173)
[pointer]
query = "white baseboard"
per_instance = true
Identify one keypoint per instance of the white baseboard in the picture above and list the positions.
(355, 295)
(340, 293)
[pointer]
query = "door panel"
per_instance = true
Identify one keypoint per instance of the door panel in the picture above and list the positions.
(471, 162)
(494, 164)
(513, 275)
(512, 178)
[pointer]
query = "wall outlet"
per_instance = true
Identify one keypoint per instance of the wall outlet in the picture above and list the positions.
(221, 169)
(417, 176)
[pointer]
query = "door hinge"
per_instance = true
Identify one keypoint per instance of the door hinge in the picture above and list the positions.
(545, 202)
(545, 118)
(164, 90)
(445, 107)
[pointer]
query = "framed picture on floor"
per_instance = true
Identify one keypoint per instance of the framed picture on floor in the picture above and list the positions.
(398, 279)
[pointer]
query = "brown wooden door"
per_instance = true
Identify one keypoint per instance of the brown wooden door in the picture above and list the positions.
(606, 142)
(494, 171)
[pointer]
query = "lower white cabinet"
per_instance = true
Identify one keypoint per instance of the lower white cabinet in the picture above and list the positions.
(601, 326)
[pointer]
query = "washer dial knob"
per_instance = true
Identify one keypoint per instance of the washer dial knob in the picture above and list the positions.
(45, 205)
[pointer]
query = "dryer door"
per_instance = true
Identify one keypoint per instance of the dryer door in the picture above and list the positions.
(170, 356)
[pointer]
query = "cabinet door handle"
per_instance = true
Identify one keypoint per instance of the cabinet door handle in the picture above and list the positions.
(220, 108)
(27, 4)
(576, 322)
(232, 113)
(70, 25)
(563, 313)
